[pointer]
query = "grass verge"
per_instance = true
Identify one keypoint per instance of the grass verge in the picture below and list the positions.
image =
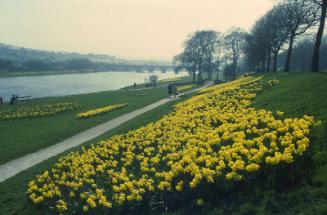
(13, 198)
(23, 136)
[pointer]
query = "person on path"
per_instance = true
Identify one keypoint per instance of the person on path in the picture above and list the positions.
(14, 99)
(1, 101)
(169, 90)
(174, 90)
(134, 85)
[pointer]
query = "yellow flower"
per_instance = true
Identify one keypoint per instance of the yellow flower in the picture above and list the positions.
(91, 202)
(85, 208)
(98, 111)
(280, 113)
(252, 167)
(200, 202)
(214, 135)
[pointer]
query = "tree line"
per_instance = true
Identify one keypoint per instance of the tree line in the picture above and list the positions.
(273, 37)
(78, 64)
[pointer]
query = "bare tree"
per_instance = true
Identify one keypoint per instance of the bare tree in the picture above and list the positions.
(297, 16)
(188, 58)
(256, 46)
(208, 45)
(278, 34)
(219, 50)
(235, 42)
(198, 56)
(316, 49)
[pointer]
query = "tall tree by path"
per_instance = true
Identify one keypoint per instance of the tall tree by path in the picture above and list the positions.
(316, 50)
(298, 17)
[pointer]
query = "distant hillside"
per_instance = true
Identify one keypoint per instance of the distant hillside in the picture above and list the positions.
(14, 58)
(20, 54)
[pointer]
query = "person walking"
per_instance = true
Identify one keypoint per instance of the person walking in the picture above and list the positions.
(1, 101)
(169, 90)
(13, 99)
(174, 90)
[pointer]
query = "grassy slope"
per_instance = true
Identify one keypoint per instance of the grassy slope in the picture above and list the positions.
(165, 83)
(13, 199)
(20, 137)
(296, 95)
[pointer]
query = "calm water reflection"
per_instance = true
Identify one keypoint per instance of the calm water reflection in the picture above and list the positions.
(69, 84)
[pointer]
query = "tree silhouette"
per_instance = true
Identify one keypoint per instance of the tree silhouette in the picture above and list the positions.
(316, 49)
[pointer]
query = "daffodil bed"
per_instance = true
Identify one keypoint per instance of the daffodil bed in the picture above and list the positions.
(213, 137)
(185, 87)
(38, 111)
(99, 111)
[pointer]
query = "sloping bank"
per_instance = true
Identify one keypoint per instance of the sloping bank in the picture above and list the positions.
(207, 145)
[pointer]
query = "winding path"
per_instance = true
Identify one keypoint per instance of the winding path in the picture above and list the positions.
(18, 165)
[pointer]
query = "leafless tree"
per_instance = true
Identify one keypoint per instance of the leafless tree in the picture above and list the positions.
(208, 43)
(278, 34)
(188, 58)
(297, 16)
(199, 54)
(235, 42)
(219, 50)
(257, 44)
(316, 49)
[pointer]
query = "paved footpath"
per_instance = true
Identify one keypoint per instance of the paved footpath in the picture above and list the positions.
(18, 165)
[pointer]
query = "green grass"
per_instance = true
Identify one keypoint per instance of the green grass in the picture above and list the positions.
(23, 136)
(183, 80)
(296, 94)
(13, 198)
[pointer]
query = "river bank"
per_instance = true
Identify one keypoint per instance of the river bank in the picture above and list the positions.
(74, 84)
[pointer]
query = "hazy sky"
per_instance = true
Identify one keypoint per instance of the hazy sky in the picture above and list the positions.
(133, 29)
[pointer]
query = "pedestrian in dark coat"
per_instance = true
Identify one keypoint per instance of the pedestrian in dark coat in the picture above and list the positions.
(170, 90)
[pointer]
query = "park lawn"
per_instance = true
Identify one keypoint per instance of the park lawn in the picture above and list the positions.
(13, 197)
(185, 88)
(23, 136)
(296, 94)
(163, 83)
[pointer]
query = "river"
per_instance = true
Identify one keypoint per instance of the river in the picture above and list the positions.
(71, 84)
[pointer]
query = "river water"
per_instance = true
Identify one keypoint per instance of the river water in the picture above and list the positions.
(70, 84)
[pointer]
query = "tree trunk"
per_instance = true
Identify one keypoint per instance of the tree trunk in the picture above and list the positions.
(316, 50)
(263, 66)
(257, 68)
(289, 55)
(210, 69)
(268, 61)
(234, 69)
(210, 73)
(275, 62)
(218, 69)
(194, 73)
(200, 75)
